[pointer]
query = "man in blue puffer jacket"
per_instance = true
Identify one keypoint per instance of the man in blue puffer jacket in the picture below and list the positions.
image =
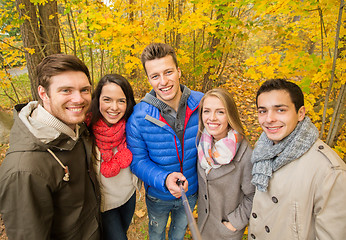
(161, 134)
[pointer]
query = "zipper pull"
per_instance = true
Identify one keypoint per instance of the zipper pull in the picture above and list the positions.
(66, 178)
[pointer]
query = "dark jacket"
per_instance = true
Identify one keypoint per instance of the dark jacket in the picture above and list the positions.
(157, 150)
(35, 201)
(226, 194)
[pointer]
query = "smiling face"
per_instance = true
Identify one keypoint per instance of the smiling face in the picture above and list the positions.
(112, 103)
(164, 76)
(277, 114)
(68, 98)
(214, 117)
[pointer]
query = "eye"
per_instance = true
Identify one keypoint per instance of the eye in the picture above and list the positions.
(86, 90)
(205, 111)
(65, 90)
(154, 77)
(220, 112)
(169, 72)
(261, 111)
(122, 101)
(280, 110)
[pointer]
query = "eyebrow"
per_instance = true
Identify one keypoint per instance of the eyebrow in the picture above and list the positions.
(275, 106)
(105, 96)
(222, 108)
(280, 105)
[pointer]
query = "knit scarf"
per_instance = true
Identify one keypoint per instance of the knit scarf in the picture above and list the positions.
(107, 138)
(268, 158)
(221, 153)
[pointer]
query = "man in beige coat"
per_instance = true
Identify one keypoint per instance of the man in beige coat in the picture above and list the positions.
(300, 181)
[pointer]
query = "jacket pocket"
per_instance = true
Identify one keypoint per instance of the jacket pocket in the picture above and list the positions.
(295, 220)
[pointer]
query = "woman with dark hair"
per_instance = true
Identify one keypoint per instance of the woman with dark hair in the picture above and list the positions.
(112, 104)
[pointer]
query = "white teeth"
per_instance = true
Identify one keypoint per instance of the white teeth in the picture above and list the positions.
(75, 109)
(113, 114)
(273, 128)
(165, 89)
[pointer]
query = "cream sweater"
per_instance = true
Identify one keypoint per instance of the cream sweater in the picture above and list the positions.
(117, 190)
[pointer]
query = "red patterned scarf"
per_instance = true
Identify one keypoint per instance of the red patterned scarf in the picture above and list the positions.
(107, 138)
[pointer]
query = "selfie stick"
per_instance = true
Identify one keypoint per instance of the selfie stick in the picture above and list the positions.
(196, 235)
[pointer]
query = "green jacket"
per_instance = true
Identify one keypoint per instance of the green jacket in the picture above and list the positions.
(35, 201)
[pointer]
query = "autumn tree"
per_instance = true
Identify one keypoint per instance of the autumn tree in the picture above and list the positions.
(235, 44)
(40, 34)
(299, 42)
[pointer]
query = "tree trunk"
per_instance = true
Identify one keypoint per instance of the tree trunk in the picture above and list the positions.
(31, 40)
(336, 119)
(49, 27)
(333, 68)
(215, 41)
(40, 36)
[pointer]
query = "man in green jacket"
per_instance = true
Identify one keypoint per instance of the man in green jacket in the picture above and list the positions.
(47, 186)
(300, 181)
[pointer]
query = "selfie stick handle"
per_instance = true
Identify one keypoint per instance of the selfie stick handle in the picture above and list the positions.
(196, 235)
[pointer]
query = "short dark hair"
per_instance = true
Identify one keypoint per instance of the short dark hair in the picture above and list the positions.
(293, 90)
(123, 84)
(56, 64)
(157, 50)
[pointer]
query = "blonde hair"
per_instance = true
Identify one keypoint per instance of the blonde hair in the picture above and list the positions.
(232, 113)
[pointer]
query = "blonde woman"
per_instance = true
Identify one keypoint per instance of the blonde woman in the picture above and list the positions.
(224, 169)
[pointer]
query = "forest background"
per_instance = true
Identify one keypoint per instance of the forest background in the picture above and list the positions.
(233, 44)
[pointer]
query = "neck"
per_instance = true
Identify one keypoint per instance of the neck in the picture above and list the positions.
(175, 103)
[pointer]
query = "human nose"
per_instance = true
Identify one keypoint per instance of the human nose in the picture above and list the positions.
(212, 116)
(114, 105)
(77, 97)
(164, 80)
(270, 116)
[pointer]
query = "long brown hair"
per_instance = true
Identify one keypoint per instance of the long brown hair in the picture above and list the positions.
(232, 113)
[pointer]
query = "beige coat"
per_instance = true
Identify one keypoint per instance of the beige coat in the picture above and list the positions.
(226, 194)
(306, 199)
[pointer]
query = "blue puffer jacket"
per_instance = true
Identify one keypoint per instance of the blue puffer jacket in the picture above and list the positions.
(157, 150)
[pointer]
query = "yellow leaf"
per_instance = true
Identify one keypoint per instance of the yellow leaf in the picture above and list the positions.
(266, 49)
(30, 50)
(250, 61)
(51, 16)
(140, 213)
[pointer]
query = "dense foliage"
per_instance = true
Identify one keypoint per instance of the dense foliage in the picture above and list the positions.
(235, 44)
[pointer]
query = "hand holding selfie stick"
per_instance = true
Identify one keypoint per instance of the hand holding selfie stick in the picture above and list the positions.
(196, 235)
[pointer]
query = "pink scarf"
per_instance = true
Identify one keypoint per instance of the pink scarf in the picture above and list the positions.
(221, 153)
(107, 138)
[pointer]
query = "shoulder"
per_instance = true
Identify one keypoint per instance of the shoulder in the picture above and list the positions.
(194, 99)
(321, 152)
(244, 150)
(196, 95)
(142, 109)
(323, 157)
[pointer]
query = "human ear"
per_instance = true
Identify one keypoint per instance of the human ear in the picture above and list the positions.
(42, 93)
(301, 113)
(179, 71)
